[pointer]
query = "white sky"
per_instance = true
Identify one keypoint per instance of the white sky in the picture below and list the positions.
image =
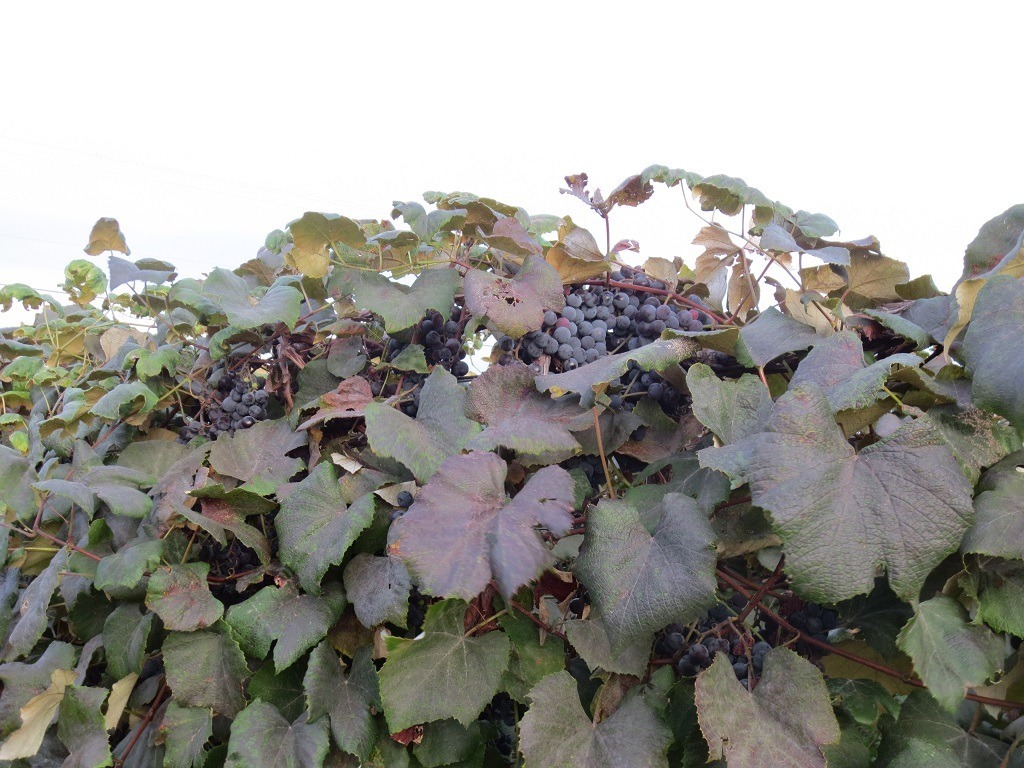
(203, 126)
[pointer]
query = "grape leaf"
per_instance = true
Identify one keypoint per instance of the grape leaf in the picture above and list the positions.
(977, 438)
(32, 608)
(783, 723)
(590, 639)
(126, 567)
(442, 674)
(378, 588)
(531, 660)
(127, 398)
(315, 528)
(440, 429)
(462, 530)
(280, 303)
(556, 731)
(865, 700)
(836, 365)
(299, 621)
(180, 596)
(520, 418)
(400, 306)
(771, 335)
(142, 271)
(841, 514)
(999, 520)
(514, 305)
(647, 568)
(206, 669)
(257, 455)
(314, 234)
(106, 235)
(589, 380)
(262, 738)
(225, 511)
(81, 728)
(949, 654)
(447, 742)
(731, 409)
(185, 731)
(22, 682)
(1001, 597)
(991, 348)
(349, 699)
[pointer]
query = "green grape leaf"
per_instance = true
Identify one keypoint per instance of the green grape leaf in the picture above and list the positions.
(262, 738)
(771, 335)
(125, 399)
(440, 429)
(645, 568)
(312, 237)
(106, 236)
(998, 237)
(448, 742)
(556, 731)
(280, 303)
(901, 326)
(530, 660)
(206, 669)
(998, 528)
(315, 527)
(520, 418)
(1001, 597)
(949, 654)
(258, 455)
(514, 305)
(299, 622)
(378, 588)
(462, 531)
(399, 306)
(784, 721)
(590, 639)
(24, 681)
(732, 410)
(185, 731)
(443, 673)
(347, 698)
(81, 728)
(153, 271)
(125, 568)
(180, 596)
(865, 700)
(977, 438)
(836, 365)
(590, 380)
(841, 514)
(125, 635)
(32, 608)
(16, 478)
(991, 348)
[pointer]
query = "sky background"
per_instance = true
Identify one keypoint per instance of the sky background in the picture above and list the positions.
(201, 127)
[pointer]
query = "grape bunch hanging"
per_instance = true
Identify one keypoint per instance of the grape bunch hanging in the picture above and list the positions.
(235, 403)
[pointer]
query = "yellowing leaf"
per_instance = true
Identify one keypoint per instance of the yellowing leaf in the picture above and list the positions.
(119, 693)
(36, 717)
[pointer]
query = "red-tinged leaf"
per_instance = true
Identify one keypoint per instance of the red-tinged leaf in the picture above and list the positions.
(514, 305)
(462, 530)
(348, 401)
(180, 596)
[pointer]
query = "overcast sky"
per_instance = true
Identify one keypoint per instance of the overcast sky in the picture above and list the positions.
(203, 126)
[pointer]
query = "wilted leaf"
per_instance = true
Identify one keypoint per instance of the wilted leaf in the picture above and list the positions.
(514, 305)
(299, 622)
(873, 280)
(442, 674)
(462, 530)
(647, 568)
(36, 716)
(949, 654)
(23, 681)
(106, 236)
(316, 527)
(346, 698)
(440, 429)
(348, 401)
(576, 256)
(557, 731)
(841, 514)
(783, 723)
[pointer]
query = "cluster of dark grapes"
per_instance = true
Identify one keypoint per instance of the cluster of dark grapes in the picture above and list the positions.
(441, 340)
(579, 601)
(810, 618)
(417, 611)
(236, 403)
(694, 648)
(232, 560)
(500, 715)
(599, 320)
(589, 465)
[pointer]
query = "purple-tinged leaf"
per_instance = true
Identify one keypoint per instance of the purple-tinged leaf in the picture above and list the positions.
(180, 596)
(515, 305)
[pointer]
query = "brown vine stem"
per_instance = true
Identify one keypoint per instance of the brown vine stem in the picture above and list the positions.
(763, 590)
(604, 459)
(536, 620)
(725, 575)
(157, 701)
